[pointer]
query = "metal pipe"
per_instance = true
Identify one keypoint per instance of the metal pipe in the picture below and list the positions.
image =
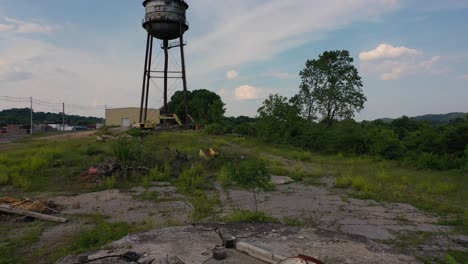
(148, 76)
(166, 66)
(144, 79)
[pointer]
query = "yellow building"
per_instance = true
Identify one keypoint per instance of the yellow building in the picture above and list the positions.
(127, 117)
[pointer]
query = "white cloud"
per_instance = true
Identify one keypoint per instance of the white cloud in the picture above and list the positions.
(393, 63)
(232, 74)
(463, 77)
(245, 31)
(281, 75)
(5, 27)
(386, 51)
(24, 27)
(399, 69)
(248, 92)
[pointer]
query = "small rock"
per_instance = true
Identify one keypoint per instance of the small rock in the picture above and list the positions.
(461, 239)
(301, 237)
(82, 259)
(219, 253)
(280, 180)
(76, 205)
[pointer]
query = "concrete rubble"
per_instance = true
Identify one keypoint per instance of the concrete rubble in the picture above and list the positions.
(194, 244)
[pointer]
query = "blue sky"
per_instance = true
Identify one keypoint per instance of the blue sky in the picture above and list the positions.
(412, 54)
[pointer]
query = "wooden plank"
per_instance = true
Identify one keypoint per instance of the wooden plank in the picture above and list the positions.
(44, 217)
(259, 253)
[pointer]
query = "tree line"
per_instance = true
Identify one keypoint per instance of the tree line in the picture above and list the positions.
(320, 118)
(22, 117)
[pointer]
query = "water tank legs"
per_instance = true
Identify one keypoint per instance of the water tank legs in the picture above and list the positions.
(166, 66)
(148, 77)
(184, 78)
(145, 72)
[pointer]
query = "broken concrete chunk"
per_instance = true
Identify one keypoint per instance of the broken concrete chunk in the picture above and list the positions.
(280, 180)
(259, 253)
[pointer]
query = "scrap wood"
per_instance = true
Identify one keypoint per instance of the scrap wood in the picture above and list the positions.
(25, 204)
(18, 211)
(271, 257)
(259, 253)
(8, 200)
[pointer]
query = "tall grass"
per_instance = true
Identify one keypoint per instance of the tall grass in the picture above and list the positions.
(36, 166)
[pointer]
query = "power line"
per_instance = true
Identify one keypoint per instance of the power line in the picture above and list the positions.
(48, 103)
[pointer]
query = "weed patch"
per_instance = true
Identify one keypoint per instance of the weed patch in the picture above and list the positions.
(151, 196)
(292, 222)
(242, 216)
(11, 250)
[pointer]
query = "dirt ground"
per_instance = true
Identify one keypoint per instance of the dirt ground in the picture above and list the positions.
(332, 226)
(80, 134)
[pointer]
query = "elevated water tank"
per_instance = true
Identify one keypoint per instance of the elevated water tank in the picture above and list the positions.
(165, 19)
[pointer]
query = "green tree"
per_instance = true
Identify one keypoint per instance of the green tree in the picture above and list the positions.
(205, 106)
(279, 119)
(252, 175)
(331, 87)
(277, 107)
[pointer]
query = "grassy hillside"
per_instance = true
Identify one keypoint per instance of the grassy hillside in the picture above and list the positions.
(436, 119)
(56, 166)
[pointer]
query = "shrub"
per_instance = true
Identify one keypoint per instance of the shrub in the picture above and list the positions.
(215, 129)
(224, 175)
(156, 174)
(360, 183)
(111, 182)
(192, 179)
(203, 206)
(343, 182)
(137, 132)
(3, 174)
(98, 236)
(292, 222)
(252, 175)
(94, 150)
(126, 151)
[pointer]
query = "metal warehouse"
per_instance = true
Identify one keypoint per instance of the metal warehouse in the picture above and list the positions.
(127, 117)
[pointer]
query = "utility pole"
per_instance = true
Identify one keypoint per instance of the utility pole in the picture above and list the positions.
(31, 130)
(63, 116)
(105, 114)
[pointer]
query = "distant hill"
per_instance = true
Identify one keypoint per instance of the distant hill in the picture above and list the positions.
(438, 119)
(21, 116)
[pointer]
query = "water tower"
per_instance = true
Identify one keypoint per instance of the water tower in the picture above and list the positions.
(164, 20)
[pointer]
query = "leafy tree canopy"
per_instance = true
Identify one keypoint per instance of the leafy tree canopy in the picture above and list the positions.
(205, 106)
(331, 88)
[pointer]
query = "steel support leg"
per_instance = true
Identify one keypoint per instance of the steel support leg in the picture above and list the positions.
(145, 71)
(184, 79)
(166, 67)
(148, 76)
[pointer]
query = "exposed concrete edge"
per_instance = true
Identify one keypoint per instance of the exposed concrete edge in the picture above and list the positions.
(259, 253)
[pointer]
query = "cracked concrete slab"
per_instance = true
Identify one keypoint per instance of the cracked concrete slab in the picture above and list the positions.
(327, 210)
(126, 207)
(192, 245)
